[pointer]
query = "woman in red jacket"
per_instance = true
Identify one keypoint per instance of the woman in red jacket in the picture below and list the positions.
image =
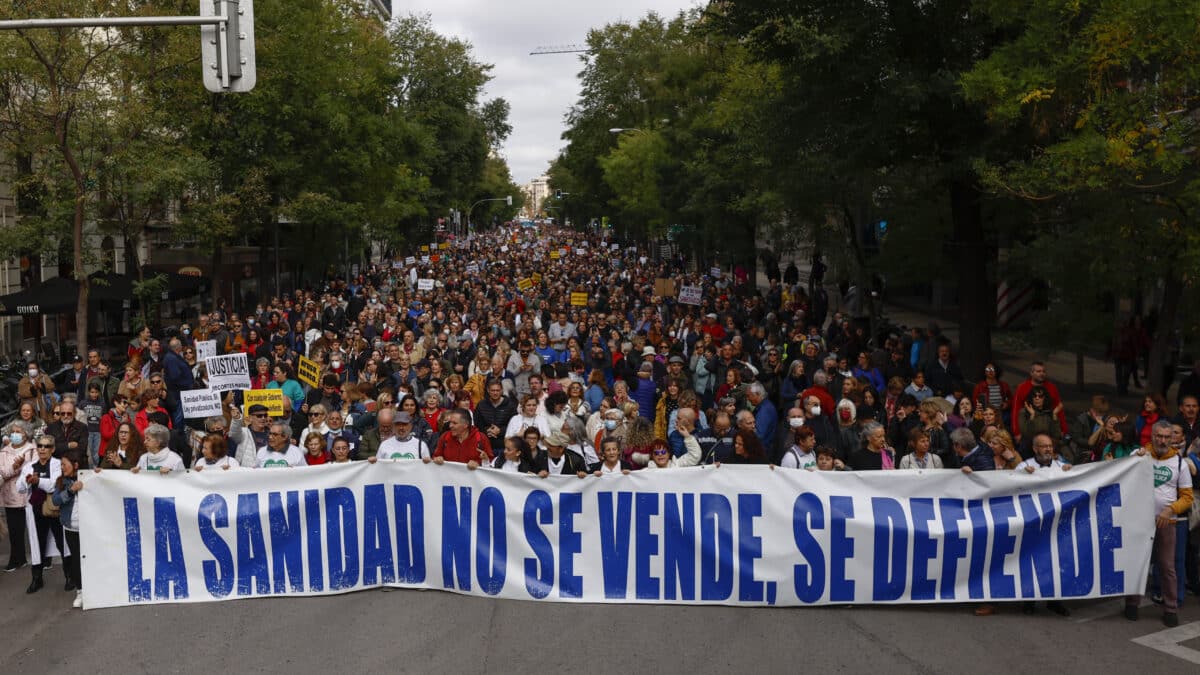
(112, 420)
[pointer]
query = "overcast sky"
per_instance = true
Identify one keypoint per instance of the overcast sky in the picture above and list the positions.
(539, 88)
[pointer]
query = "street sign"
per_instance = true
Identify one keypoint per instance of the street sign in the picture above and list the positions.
(227, 49)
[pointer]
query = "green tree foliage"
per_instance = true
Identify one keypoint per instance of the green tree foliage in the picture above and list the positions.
(1107, 94)
(356, 130)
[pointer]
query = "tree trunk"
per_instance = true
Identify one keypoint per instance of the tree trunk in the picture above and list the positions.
(977, 306)
(1167, 313)
(216, 274)
(81, 307)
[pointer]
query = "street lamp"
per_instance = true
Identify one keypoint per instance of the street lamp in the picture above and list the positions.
(621, 130)
(508, 200)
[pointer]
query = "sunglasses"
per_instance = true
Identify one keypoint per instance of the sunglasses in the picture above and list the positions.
(659, 453)
(48, 447)
(260, 415)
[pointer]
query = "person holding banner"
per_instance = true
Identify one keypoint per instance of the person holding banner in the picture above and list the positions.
(559, 461)
(515, 458)
(65, 488)
(158, 457)
(1172, 500)
(612, 463)
(403, 443)
(279, 451)
(462, 443)
(214, 455)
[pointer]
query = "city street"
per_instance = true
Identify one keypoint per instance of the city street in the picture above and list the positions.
(415, 631)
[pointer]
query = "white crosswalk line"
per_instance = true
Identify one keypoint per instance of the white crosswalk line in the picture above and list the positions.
(1168, 640)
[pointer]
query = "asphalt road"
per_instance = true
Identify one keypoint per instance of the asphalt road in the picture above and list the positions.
(433, 631)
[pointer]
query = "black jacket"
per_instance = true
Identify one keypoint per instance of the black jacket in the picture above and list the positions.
(488, 413)
(572, 465)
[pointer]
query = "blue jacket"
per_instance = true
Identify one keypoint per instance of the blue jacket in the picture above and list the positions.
(765, 419)
(645, 397)
(176, 373)
(979, 460)
(65, 500)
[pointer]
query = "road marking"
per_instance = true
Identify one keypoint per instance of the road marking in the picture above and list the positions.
(1102, 609)
(1168, 641)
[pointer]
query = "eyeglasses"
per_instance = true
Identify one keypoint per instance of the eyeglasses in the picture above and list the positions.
(311, 414)
(659, 453)
(155, 381)
(274, 433)
(261, 416)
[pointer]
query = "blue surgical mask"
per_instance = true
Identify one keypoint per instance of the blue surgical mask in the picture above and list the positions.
(610, 424)
(16, 439)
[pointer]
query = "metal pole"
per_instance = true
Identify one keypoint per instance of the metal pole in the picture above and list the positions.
(114, 21)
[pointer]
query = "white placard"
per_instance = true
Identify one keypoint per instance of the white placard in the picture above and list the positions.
(205, 349)
(504, 249)
(424, 284)
(690, 295)
(200, 403)
(228, 372)
(715, 273)
(410, 260)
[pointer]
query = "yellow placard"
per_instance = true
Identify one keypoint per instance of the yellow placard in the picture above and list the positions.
(537, 278)
(554, 255)
(579, 299)
(272, 398)
(424, 248)
(443, 246)
(308, 372)
(525, 284)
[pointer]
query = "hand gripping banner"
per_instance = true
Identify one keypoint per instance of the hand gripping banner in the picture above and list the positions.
(730, 535)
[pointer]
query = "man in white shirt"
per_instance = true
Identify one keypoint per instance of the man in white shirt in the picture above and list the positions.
(1045, 456)
(279, 451)
(403, 445)
(1172, 501)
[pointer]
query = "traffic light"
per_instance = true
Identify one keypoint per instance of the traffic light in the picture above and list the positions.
(558, 194)
(227, 49)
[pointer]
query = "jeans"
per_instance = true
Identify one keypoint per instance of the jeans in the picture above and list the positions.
(94, 448)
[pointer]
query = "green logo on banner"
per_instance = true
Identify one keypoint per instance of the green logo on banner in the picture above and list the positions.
(402, 455)
(274, 462)
(1162, 474)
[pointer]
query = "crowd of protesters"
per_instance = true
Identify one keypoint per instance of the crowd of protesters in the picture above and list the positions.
(556, 353)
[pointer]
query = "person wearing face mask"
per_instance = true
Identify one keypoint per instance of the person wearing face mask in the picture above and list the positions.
(786, 433)
(37, 389)
(815, 419)
(18, 450)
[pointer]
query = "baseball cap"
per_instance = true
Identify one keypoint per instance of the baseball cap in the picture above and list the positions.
(675, 359)
(402, 417)
(257, 408)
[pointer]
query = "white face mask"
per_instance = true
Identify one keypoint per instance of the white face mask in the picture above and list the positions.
(16, 439)
(796, 422)
(815, 410)
(33, 373)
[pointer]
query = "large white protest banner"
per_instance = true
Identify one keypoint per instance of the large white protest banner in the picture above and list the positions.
(732, 535)
(200, 403)
(230, 371)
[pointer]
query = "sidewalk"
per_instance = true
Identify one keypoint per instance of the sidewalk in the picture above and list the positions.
(1012, 358)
